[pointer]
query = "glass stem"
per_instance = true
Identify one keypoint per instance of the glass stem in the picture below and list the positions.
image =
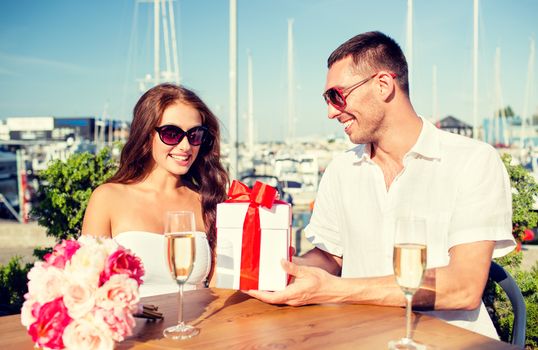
(409, 299)
(180, 306)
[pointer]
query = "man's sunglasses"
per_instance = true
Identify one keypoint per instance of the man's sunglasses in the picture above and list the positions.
(172, 135)
(336, 97)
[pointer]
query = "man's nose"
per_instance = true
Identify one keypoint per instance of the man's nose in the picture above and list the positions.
(332, 112)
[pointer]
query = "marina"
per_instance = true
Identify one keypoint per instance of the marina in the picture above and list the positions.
(294, 167)
(289, 84)
(292, 159)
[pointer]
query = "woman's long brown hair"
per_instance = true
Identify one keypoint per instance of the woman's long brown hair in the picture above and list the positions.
(206, 175)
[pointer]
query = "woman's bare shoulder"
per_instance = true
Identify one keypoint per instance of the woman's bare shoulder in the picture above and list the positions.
(107, 196)
(109, 191)
(98, 214)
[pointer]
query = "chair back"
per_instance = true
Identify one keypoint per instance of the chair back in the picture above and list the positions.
(498, 274)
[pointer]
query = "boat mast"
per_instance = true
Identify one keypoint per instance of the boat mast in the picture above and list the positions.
(174, 42)
(171, 72)
(291, 107)
(499, 134)
(168, 72)
(529, 90)
(435, 107)
(233, 89)
(156, 42)
(409, 43)
(475, 69)
(250, 112)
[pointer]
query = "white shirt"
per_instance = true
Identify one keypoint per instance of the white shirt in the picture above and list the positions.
(458, 184)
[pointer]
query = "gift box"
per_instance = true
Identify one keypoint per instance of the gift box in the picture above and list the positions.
(253, 235)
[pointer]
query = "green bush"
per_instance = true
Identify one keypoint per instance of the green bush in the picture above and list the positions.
(499, 305)
(528, 282)
(66, 189)
(64, 194)
(524, 193)
(13, 286)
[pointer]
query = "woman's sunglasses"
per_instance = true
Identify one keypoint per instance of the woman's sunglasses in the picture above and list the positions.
(172, 135)
(335, 95)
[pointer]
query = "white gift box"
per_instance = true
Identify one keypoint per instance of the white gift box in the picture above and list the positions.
(275, 224)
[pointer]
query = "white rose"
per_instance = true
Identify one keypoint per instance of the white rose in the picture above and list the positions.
(110, 245)
(27, 317)
(78, 298)
(88, 333)
(86, 240)
(87, 263)
(45, 283)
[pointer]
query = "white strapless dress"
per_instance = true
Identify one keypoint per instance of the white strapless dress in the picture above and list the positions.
(149, 247)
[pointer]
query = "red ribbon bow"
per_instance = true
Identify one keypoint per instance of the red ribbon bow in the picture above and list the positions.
(260, 195)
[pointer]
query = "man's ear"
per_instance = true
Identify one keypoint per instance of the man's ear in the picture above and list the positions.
(386, 85)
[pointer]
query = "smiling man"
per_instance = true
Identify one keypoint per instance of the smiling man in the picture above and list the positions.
(402, 166)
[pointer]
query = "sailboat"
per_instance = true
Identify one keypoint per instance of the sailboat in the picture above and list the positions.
(164, 28)
(497, 132)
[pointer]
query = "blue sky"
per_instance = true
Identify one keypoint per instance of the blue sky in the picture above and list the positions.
(80, 58)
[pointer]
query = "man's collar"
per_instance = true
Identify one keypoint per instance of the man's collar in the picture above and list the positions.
(427, 144)
(362, 152)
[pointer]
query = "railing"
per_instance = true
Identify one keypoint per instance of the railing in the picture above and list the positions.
(10, 208)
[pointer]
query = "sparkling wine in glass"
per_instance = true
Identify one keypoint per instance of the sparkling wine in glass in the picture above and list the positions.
(180, 252)
(409, 260)
(200, 272)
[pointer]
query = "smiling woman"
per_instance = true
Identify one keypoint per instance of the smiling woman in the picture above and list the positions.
(162, 168)
(171, 150)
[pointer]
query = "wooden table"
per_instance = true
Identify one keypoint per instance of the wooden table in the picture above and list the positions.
(232, 320)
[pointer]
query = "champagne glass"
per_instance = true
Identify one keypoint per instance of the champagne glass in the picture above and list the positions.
(200, 272)
(409, 260)
(180, 249)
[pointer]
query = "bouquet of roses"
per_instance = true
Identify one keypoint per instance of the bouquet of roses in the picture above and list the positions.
(83, 295)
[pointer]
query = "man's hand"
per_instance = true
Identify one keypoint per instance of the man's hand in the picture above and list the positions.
(457, 286)
(308, 286)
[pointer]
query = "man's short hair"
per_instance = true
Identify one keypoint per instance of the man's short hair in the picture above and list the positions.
(372, 52)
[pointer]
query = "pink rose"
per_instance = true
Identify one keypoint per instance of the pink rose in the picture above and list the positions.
(118, 293)
(51, 321)
(120, 323)
(88, 333)
(62, 253)
(122, 261)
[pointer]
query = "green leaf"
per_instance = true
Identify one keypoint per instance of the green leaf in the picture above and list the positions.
(66, 190)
